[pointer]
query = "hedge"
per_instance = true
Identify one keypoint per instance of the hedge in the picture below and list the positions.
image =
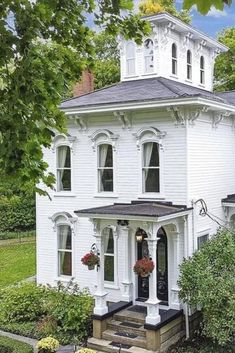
(8, 345)
(17, 235)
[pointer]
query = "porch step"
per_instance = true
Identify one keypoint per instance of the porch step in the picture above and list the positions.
(128, 315)
(127, 326)
(107, 346)
(124, 338)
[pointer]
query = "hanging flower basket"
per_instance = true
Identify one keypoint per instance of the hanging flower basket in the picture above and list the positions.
(144, 267)
(90, 260)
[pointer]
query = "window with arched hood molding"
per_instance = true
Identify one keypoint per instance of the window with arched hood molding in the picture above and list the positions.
(202, 70)
(64, 235)
(150, 167)
(189, 65)
(174, 59)
(63, 168)
(105, 167)
(148, 56)
(130, 58)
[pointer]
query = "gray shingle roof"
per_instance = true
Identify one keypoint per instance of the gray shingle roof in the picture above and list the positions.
(157, 88)
(136, 208)
(229, 96)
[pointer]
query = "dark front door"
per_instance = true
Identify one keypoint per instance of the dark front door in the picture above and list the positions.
(162, 267)
(143, 282)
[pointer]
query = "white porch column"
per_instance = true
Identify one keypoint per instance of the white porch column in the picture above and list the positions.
(101, 307)
(126, 281)
(153, 316)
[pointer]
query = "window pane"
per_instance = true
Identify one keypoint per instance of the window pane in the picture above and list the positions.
(109, 268)
(63, 157)
(151, 154)
(174, 66)
(105, 156)
(151, 177)
(130, 50)
(64, 179)
(65, 263)
(131, 66)
(174, 51)
(189, 57)
(106, 179)
(189, 72)
(65, 239)
(202, 62)
(201, 240)
(109, 243)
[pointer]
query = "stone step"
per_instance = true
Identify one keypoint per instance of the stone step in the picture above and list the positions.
(124, 338)
(127, 326)
(127, 315)
(105, 346)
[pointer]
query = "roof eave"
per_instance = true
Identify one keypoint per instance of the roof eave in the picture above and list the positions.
(136, 105)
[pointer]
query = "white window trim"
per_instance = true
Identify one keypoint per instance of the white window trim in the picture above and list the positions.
(202, 71)
(100, 137)
(175, 59)
(59, 141)
(144, 135)
(114, 284)
(58, 219)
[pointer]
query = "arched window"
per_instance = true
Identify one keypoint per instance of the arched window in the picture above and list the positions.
(105, 167)
(64, 235)
(109, 262)
(130, 58)
(148, 56)
(189, 65)
(151, 167)
(174, 59)
(63, 166)
(202, 70)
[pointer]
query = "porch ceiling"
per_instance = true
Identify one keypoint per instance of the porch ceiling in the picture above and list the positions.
(135, 209)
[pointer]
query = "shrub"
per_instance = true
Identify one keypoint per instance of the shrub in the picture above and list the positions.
(23, 303)
(48, 345)
(16, 235)
(8, 345)
(207, 279)
(47, 325)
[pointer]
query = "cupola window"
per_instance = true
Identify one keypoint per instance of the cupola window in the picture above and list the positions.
(130, 59)
(148, 56)
(189, 65)
(174, 59)
(202, 70)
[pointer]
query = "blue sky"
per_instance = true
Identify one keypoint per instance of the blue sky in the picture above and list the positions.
(215, 21)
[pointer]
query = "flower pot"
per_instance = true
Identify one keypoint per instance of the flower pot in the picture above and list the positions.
(91, 267)
(144, 275)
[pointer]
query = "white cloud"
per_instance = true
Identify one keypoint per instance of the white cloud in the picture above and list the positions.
(216, 13)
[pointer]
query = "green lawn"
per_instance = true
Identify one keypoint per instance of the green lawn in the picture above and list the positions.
(17, 262)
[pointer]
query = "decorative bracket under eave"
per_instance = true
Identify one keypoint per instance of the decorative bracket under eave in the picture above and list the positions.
(200, 45)
(167, 31)
(81, 122)
(219, 117)
(125, 118)
(181, 116)
(177, 115)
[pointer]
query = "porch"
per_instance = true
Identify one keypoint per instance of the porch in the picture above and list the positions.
(125, 233)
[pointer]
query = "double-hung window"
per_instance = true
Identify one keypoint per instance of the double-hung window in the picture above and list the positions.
(63, 168)
(202, 70)
(148, 56)
(109, 257)
(151, 167)
(189, 65)
(130, 59)
(174, 59)
(64, 250)
(202, 240)
(105, 167)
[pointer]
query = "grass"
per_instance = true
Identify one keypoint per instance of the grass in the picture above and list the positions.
(17, 262)
(8, 345)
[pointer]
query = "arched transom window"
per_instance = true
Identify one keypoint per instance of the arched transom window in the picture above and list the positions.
(151, 167)
(202, 70)
(63, 166)
(64, 235)
(148, 56)
(130, 58)
(189, 65)
(174, 59)
(105, 167)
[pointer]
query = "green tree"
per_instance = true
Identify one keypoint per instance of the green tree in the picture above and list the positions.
(225, 62)
(204, 6)
(207, 279)
(107, 60)
(44, 46)
(149, 7)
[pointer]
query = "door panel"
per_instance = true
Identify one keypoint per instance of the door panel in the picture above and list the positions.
(143, 282)
(162, 266)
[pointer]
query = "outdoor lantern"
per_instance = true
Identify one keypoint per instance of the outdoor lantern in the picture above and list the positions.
(139, 235)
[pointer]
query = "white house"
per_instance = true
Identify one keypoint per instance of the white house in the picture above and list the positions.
(140, 161)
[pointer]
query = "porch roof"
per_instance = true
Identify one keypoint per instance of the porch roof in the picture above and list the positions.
(229, 199)
(135, 209)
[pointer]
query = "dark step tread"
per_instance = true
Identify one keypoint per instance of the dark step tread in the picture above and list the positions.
(126, 334)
